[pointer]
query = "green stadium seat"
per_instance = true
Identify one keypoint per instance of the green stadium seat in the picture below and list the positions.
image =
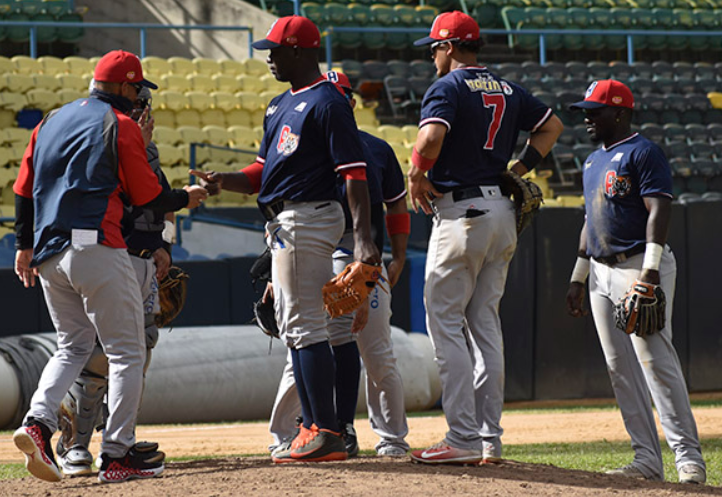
(621, 20)
(399, 68)
(70, 35)
(653, 132)
(425, 14)
(578, 18)
(336, 14)
(382, 14)
(600, 18)
(556, 18)
(512, 18)
(621, 71)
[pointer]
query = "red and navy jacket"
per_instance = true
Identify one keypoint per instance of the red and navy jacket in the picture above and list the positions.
(79, 160)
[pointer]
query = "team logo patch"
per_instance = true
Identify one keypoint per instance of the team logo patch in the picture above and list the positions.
(300, 107)
(618, 157)
(617, 99)
(291, 40)
(271, 110)
(444, 33)
(287, 142)
(506, 88)
(590, 90)
(130, 74)
(617, 186)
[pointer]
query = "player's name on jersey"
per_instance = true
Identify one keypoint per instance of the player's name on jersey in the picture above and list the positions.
(487, 85)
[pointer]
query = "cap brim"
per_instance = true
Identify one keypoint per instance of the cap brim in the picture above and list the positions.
(148, 84)
(587, 104)
(428, 40)
(265, 44)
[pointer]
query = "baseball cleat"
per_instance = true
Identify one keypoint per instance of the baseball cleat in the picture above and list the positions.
(391, 451)
(491, 453)
(316, 445)
(33, 439)
(132, 465)
(350, 439)
(76, 461)
(692, 473)
(443, 453)
(631, 471)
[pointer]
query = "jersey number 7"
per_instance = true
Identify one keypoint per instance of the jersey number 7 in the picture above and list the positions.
(497, 101)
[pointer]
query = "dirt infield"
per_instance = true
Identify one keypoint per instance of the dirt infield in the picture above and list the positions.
(367, 475)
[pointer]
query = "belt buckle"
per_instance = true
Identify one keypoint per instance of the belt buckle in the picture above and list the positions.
(145, 254)
(620, 257)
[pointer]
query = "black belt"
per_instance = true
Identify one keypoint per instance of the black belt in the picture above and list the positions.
(142, 253)
(467, 193)
(611, 260)
(270, 211)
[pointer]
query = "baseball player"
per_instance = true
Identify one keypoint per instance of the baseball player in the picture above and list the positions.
(470, 120)
(628, 196)
(79, 161)
(384, 390)
(310, 140)
(149, 236)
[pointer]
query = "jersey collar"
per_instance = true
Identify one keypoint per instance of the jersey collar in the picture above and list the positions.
(315, 83)
(469, 67)
(610, 147)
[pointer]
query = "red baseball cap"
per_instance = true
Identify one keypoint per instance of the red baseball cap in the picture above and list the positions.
(451, 26)
(606, 93)
(340, 80)
(119, 66)
(290, 31)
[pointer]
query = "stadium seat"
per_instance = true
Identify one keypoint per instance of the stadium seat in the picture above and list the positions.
(46, 81)
(174, 82)
(208, 67)
(224, 82)
(242, 137)
(52, 65)
(216, 135)
(181, 66)
(6, 65)
(702, 151)
(72, 82)
(192, 134)
(199, 100)
(188, 117)
(422, 68)
(171, 99)
(164, 117)
(255, 67)
(232, 67)
(67, 95)
(272, 84)
(249, 100)
(17, 83)
(26, 65)
(79, 65)
(653, 132)
(156, 66)
(266, 97)
(399, 68)
(224, 100)
(250, 83)
(166, 135)
(392, 134)
(215, 117)
(365, 115)
(398, 94)
(12, 102)
(201, 82)
(13, 136)
(697, 133)
(238, 117)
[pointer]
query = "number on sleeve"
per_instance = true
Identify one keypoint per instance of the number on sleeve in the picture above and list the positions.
(497, 101)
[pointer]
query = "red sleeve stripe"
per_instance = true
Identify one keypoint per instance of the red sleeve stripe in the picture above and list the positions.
(356, 173)
(430, 120)
(542, 121)
(397, 197)
(254, 172)
(349, 166)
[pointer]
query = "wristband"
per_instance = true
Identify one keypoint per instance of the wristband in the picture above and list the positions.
(652, 256)
(254, 172)
(421, 162)
(355, 173)
(398, 223)
(581, 271)
(530, 157)
(169, 232)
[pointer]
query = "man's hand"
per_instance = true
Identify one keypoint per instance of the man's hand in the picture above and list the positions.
(649, 276)
(365, 250)
(162, 263)
(147, 124)
(268, 292)
(196, 195)
(25, 273)
(361, 318)
(210, 180)
(396, 266)
(421, 191)
(575, 299)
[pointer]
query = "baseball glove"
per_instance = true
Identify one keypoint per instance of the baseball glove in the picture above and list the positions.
(172, 296)
(261, 268)
(265, 317)
(642, 310)
(527, 197)
(346, 291)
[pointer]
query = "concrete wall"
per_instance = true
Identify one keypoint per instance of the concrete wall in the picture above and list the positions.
(168, 43)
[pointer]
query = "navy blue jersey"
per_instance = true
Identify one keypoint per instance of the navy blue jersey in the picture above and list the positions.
(385, 182)
(483, 114)
(308, 136)
(615, 180)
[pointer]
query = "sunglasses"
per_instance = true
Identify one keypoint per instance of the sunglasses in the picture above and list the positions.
(437, 44)
(137, 87)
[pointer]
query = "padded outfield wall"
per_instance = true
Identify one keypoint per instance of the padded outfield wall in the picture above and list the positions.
(549, 355)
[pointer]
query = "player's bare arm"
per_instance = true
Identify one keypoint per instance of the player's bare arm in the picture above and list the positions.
(660, 211)
(428, 147)
(359, 204)
(575, 293)
(542, 140)
(398, 242)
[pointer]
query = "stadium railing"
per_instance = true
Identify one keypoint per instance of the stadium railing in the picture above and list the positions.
(143, 28)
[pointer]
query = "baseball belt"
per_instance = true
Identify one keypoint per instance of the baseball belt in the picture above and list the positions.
(620, 257)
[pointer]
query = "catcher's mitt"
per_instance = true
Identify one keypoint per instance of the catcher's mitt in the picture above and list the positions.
(526, 195)
(265, 317)
(642, 310)
(172, 295)
(346, 291)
